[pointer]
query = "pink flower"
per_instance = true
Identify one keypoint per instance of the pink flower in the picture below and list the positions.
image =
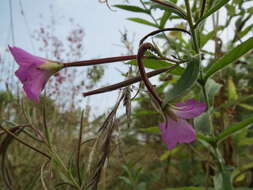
(179, 130)
(33, 71)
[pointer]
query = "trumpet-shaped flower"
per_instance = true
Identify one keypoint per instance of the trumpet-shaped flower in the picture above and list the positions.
(178, 130)
(33, 71)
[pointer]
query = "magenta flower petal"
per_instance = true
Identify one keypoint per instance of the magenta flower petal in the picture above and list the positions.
(189, 109)
(176, 132)
(30, 72)
(24, 58)
(34, 84)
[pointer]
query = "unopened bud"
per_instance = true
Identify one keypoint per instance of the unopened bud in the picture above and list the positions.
(51, 66)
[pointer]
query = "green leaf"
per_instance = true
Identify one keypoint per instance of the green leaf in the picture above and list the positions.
(246, 141)
(246, 106)
(250, 10)
(204, 138)
(215, 8)
(141, 186)
(201, 123)
(142, 21)
(245, 31)
(158, 64)
(230, 9)
(234, 102)
(127, 169)
(232, 94)
(144, 112)
(155, 130)
(204, 38)
(132, 8)
(168, 5)
(222, 180)
(169, 153)
(125, 180)
(234, 128)
(230, 57)
(236, 173)
(164, 19)
(186, 81)
(212, 89)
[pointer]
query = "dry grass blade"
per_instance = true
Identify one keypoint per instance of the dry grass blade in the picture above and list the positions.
(93, 182)
(42, 170)
(110, 117)
(107, 121)
(3, 148)
(127, 104)
(45, 125)
(102, 145)
(24, 143)
(79, 150)
(8, 139)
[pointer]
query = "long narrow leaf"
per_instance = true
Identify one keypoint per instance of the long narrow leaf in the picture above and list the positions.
(132, 8)
(164, 18)
(215, 8)
(142, 21)
(158, 64)
(172, 7)
(230, 57)
(204, 38)
(234, 128)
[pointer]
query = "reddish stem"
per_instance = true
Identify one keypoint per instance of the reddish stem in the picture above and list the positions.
(127, 82)
(99, 61)
(142, 49)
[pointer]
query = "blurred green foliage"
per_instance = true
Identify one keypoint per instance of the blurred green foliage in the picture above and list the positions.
(134, 158)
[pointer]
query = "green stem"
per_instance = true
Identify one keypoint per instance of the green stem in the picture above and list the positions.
(208, 110)
(196, 48)
(217, 156)
(192, 29)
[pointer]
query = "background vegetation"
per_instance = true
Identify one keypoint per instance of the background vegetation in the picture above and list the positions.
(124, 151)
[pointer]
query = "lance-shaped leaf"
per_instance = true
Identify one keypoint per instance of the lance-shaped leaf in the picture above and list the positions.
(132, 8)
(230, 57)
(245, 31)
(172, 7)
(185, 82)
(164, 19)
(158, 64)
(212, 88)
(238, 171)
(204, 38)
(142, 21)
(215, 8)
(234, 128)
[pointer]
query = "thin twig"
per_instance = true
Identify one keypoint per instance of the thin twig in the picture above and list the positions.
(127, 82)
(45, 126)
(163, 30)
(99, 61)
(24, 143)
